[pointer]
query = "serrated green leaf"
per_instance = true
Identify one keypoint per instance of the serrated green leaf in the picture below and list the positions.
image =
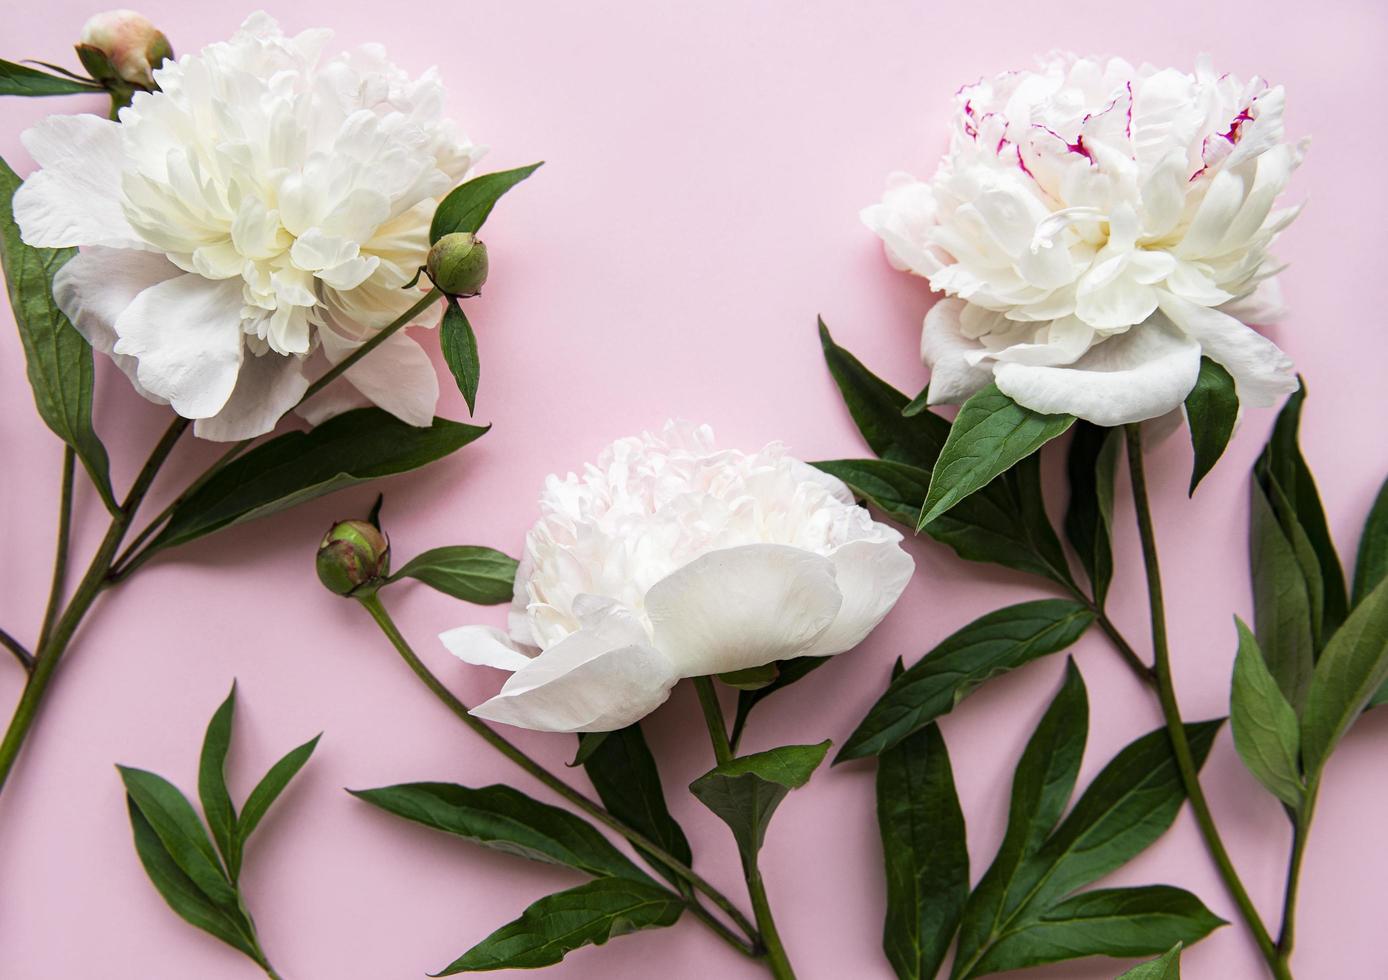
(1263, 723)
(1041, 787)
(176, 823)
(182, 895)
(212, 784)
(1212, 408)
(1281, 601)
(925, 851)
(1353, 667)
(355, 447)
(991, 645)
(471, 573)
(556, 925)
(467, 206)
(1167, 966)
(1371, 564)
(1091, 464)
(23, 80)
(57, 358)
(623, 771)
(787, 673)
(877, 409)
(1116, 922)
(459, 344)
(270, 787)
(990, 435)
(746, 791)
(505, 819)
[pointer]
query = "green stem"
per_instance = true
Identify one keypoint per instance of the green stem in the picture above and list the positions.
(1146, 674)
(1171, 712)
(496, 740)
(47, 657)
(132, 558)
(1301, 830)
(55, 591)
(25, 658)
(776, 959)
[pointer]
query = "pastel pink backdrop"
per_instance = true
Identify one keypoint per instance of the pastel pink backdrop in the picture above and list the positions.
(698, 208)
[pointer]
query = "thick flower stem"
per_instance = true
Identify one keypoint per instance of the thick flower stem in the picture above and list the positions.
(1301, 830)
(496, 740)
(47, 656)
(1166, 694)
(132, 558)
(55, 591)
(776, 959)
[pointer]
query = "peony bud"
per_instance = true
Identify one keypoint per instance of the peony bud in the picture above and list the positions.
(458, 264)
(353, 558)
(122, 45)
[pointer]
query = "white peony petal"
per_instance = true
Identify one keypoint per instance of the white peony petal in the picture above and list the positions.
(1262, 372)
(944, 349)
(743, 607)
(95, 286)
(397, 376)
(1140, 374)
(267, 387)
(484, 646)
(871, 574)
(1263, 306)
(186, 334)
(903, 220)
(75, 199)
(596, 680)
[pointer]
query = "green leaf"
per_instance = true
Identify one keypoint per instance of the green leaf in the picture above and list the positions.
(751, 678)
(1041, 787)
(877, 410)
(23, 80)
(1352, 668)
(468, 572)
(1264, 724)
(991, 645)
(1282, 463)
(505, 819)
(926, 854)
(588, 743)
(1212, 408)
(1116, 922)
(467, 206)
(231, 926)
(355, 447)
(1167, 966)
(1126, 808)
(57, 358)
(1091, 464)
(212, 784)
(176, 823)
(1371, 566)
(590, 914)
(990, 434)
(459, 344)
(269, 788)
(1281, 602)
(787, 673)
(623, 771)
(745, 792)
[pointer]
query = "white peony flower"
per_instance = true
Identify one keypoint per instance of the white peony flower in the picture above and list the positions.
(1098, 228)
(249, 224)
(670, 559)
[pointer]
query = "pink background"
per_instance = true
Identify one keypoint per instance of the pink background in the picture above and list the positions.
(706, 163)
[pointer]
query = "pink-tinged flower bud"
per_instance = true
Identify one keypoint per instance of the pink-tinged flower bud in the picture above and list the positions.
(123, 45)
(353, 558)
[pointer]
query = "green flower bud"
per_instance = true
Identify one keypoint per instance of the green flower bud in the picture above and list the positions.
(353, 558)
(458, 264)
(122, 46)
